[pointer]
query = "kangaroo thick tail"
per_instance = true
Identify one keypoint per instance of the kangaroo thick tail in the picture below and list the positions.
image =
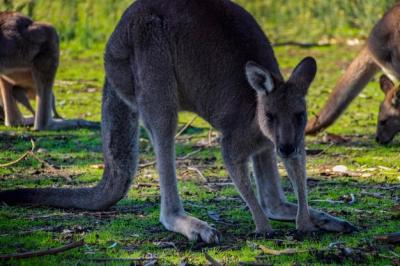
(356, 77)
(120, 147)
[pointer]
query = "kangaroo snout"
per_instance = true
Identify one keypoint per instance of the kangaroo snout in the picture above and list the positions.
(287, 150)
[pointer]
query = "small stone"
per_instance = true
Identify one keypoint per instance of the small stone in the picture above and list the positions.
(340, 169)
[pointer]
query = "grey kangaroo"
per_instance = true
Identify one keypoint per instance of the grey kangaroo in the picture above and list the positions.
(29, 55)
(209, 57)
(381, 52)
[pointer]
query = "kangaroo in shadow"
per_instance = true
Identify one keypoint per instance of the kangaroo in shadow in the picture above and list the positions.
(381, 52)
(212, 58)
(29, 55)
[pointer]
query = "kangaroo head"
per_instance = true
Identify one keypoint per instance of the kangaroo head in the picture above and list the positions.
(389, 112)
(281, 106)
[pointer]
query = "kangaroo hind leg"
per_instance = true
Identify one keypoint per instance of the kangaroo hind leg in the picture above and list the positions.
(157, 101)
(161, 122)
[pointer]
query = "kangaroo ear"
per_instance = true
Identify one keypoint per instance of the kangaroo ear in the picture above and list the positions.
(259, 78)
(304, 74)
(386, 84)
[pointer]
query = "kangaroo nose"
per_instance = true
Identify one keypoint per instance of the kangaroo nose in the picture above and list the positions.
(286, 149)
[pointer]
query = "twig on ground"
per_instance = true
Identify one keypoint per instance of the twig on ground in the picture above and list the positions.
(202, 177)
(350, 199)
(372, 194)
(302, 44)
(39, 253)
(188, 124)
(45, 163)
(211, 260)
(394, 253)
(389, 187)
(32, 153)
(187, 156)
(324, 150)
(145, 165)
(286, 251)
(15, 161)
(20, 158)
(119, 259)
(328, 201)
(389, 238)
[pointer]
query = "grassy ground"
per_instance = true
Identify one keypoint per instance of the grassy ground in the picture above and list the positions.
(131, 228)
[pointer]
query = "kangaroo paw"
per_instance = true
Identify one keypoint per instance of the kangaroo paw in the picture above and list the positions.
(288, 211)
(191, 227)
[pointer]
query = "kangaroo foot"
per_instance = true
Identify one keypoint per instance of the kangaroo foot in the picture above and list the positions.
(287, 212)
(306, 225)
(330, 223)
(191, 227)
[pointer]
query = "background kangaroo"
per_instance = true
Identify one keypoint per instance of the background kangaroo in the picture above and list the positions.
(202, 60)
(29, 55)
(381, 52)
(389, 111)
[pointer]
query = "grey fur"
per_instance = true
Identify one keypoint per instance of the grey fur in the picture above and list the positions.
(158, 63)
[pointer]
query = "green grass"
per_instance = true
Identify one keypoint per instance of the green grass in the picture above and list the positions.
(135, 227)
(132, 230)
